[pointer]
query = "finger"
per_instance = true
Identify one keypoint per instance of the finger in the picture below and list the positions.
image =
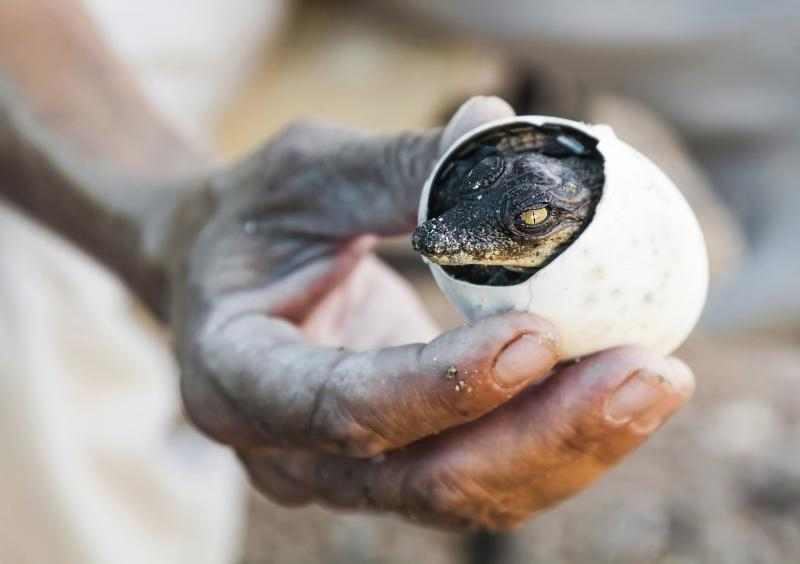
(271, 480)
(256, 384)
(472, 114)
(339, 318)
(576, 475)
(368, 183)
(541, 447)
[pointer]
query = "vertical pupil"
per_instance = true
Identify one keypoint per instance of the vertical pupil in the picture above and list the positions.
(534, 217)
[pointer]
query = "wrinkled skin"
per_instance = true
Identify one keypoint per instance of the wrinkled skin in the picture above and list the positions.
(276, 292)
(479, 203)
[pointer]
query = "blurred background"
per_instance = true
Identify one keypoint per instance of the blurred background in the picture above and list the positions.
(721, 483)
(710, 91)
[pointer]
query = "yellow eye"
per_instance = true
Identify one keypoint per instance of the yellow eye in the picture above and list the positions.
(533, 217)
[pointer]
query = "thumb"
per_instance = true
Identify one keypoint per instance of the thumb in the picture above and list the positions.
(386, 174)
(472, 114)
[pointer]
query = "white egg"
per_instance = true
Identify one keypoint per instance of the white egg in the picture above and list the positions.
(637, 274)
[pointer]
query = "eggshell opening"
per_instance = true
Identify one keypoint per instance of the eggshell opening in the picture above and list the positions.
(637, 274)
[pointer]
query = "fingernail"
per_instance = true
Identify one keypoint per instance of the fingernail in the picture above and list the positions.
(639, 393)
(525, 358)
(653, 419)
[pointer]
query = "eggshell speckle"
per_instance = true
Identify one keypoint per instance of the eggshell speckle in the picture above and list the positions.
(638, 273)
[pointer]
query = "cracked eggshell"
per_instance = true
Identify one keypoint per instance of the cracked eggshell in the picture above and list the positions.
(637, 274)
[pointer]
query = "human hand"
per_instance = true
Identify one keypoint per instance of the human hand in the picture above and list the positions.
(280, 261)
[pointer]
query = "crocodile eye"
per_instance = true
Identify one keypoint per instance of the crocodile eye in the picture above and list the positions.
(534, 216)
(484, 173)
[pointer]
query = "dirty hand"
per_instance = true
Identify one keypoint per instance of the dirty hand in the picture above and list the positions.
(278, 305)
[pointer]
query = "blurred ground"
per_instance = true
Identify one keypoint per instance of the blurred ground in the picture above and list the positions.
(721, 482)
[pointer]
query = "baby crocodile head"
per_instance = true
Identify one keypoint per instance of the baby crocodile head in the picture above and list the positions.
(514, 200)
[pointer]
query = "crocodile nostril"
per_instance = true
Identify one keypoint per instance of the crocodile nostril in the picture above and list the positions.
(432, 238)
(418, 239)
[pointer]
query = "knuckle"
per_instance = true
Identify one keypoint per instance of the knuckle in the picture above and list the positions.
(440, 498)
(410, 155)
(273, 488)
(334, 428)
(572, 442)
(447, 497)
(293, 142)
(436, 494)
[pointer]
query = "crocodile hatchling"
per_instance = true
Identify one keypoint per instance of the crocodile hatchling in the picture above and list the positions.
(509, 201)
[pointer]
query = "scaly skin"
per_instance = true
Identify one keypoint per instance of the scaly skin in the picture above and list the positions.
(514, 198)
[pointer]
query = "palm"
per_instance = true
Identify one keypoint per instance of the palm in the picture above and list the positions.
(372, 307)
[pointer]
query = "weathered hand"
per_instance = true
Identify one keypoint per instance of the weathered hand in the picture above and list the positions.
(281, 261)
(541, 447)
